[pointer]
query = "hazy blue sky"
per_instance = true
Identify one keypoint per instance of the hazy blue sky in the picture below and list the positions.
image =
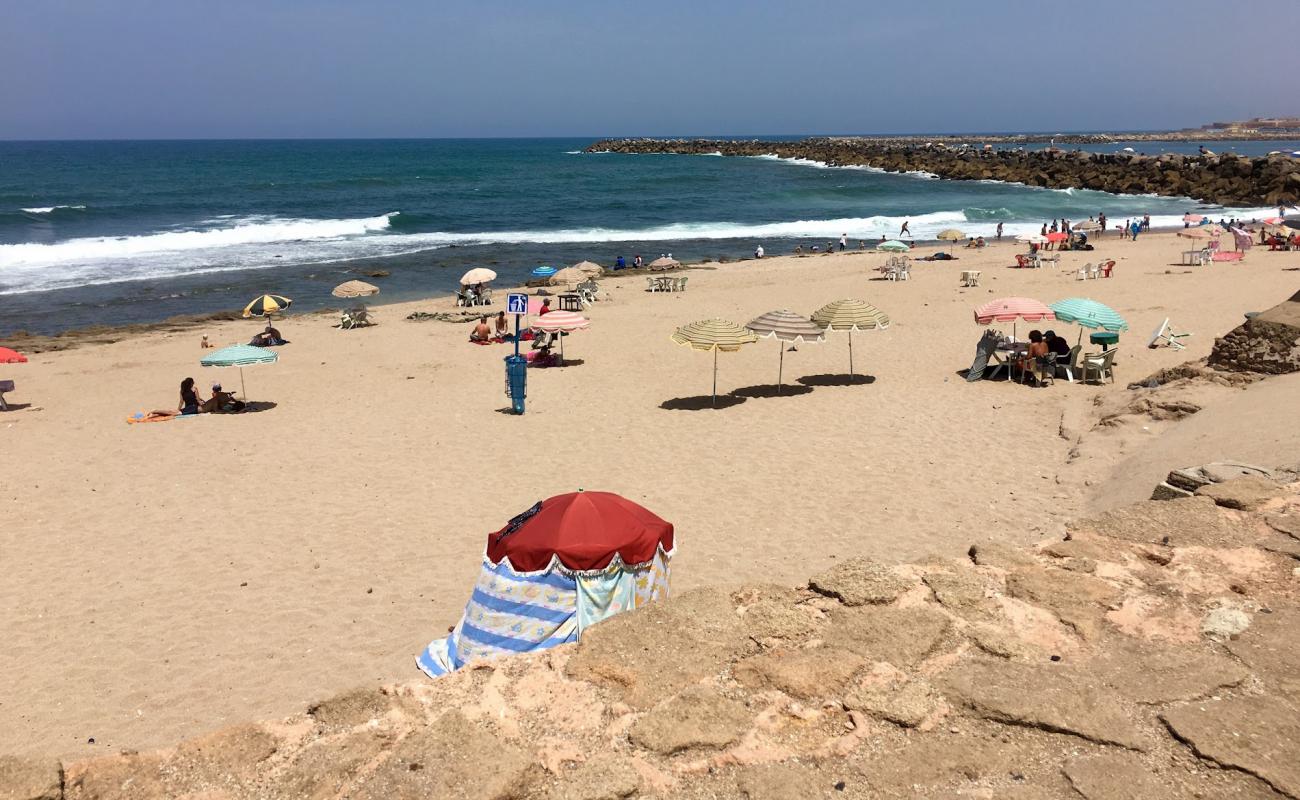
(294, 68)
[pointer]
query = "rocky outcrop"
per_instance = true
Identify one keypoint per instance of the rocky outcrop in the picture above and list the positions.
(1227, 179)
(1151, 653)
(1267, 343)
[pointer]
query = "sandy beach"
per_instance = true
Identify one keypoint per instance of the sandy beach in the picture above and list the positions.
(161, 580)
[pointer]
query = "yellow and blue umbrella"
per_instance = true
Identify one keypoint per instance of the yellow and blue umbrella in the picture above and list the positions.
(239, 355)
(266, 305)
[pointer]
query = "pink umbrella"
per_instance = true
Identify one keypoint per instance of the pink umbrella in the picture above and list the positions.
(1194, 219)
(561, 322)
(1011, 309)
(1057, 237)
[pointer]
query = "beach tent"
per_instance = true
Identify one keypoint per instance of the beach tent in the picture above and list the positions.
(785, 326)
(714, 335)
(553, 571)
(850, 316)
(266, 305)
(239, 355)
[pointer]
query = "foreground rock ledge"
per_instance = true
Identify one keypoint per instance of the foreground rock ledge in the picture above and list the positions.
(1006, 674)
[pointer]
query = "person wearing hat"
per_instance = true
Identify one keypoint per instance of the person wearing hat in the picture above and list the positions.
(222, 402)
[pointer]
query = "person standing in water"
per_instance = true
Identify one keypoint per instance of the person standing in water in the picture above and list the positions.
(904, 231)
(999, 231)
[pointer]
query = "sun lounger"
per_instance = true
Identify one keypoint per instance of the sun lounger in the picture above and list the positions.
(1166, 334)
(1102, 365)
(5, 386)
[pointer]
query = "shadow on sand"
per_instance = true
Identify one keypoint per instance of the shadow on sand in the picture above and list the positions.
(771, 390)
(256, 406)
(703, 402)
(837, 380)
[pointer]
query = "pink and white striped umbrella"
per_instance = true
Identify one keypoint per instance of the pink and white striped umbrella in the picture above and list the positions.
(562, 321)
(1010, 309)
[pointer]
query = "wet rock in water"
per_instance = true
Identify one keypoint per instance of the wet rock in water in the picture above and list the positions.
(446, 758)
(806, 674)
(30, 779)
(1243, 494)
(860, 581)
(1258, 735)
(697, 718)
(1055, 698)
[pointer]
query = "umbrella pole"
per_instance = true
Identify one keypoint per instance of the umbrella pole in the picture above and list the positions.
(851, 375)
(715, 377)
(780, 367)
(241, 385)
(561, 335)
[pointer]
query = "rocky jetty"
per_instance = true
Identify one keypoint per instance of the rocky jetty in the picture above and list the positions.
(1224, 179)
(1152, 651)
(1267, 343)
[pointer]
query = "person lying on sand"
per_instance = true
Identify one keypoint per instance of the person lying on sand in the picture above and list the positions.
(481, 332)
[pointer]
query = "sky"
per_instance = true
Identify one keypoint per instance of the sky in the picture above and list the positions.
(144, 69)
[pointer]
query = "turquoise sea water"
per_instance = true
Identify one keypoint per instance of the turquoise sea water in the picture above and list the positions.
(122, 232)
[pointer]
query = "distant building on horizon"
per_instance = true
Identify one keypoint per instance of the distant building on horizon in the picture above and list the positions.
(1257, 123)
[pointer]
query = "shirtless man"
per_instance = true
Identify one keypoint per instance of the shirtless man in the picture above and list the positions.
(503, 327)
(904, 231)
(481, 332)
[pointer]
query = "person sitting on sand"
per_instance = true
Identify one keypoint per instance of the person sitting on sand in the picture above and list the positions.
(268, 338)
(1056, 344)
(190, 400)
(970, 242)
(546, 307)
(979, 241)
(481, 332)
(222, 402)
(502, 326)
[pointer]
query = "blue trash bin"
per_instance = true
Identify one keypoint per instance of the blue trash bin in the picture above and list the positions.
(517, 381)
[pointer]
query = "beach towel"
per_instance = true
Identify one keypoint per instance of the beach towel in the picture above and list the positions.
(139, 417)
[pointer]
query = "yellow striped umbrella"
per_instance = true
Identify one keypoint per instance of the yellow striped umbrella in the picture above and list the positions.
(266, 305)
(715, 335)
(850, 315)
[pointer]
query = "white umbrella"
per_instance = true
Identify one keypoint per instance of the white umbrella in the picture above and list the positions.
(477, 275)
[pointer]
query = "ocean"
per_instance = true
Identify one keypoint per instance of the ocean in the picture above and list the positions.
(111, 233)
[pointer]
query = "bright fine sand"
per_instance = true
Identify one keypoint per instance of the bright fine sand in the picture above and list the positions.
(158, 581)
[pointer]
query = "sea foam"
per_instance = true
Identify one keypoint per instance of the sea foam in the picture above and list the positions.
(51, 209)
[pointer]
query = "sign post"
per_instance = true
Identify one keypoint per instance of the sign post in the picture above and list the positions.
(517, 365)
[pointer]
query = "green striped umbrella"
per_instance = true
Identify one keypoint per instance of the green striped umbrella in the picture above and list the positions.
(1089, 314)
(894, 246)
(240, 355)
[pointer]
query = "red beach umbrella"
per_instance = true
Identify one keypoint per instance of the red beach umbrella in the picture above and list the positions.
(1057, 237)
(584, 530)
(8, 356)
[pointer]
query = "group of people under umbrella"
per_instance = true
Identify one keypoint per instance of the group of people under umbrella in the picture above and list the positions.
(1082, 311)
(720, 335)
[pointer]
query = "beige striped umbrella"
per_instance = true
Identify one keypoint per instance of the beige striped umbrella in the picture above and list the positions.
(850, 315)
(785, 326)
(714, 334)
(590, 268)
(951, 236)
(353, 289)
(569, 275)
(664, 262)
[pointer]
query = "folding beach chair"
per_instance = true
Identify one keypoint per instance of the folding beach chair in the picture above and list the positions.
(5, 386)
(1166, 334)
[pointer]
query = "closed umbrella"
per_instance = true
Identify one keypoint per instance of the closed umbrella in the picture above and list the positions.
(714, 335)
(664, 262)
(569, 275)
(850, 315)
(266, 305)
(561, 322)
(477, 275)
(785, 326)
(894, 246)
(1088, 313)
(354, 289)
(239, 355)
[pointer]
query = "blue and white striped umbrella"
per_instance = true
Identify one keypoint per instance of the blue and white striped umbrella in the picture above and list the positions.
(240, 355)
(544, 272)
(1089, 314)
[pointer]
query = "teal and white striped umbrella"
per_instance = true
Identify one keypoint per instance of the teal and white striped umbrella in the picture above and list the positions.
(1089, 314)
(894, 246)
(240, 355)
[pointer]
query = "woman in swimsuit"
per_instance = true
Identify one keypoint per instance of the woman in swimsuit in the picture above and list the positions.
(190, 400)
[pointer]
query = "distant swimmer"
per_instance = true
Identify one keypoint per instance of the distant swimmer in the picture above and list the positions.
(904, 231)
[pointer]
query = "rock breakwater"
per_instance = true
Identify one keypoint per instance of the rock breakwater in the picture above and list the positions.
(1227, 179)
